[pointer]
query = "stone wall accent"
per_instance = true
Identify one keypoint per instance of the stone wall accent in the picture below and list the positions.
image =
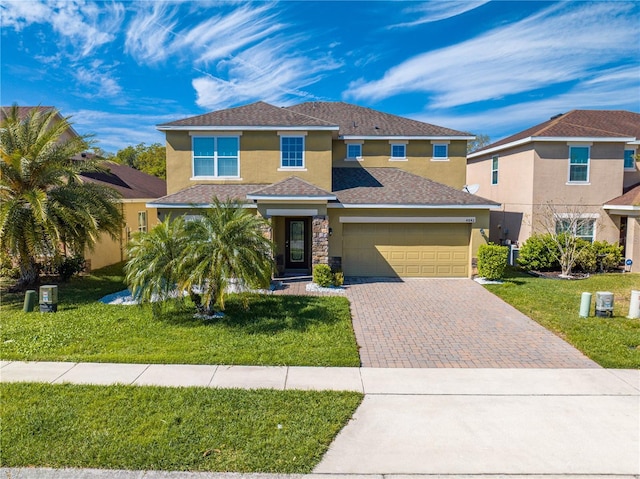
(320, 240)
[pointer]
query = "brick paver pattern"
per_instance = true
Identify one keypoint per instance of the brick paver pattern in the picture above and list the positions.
(432, 323)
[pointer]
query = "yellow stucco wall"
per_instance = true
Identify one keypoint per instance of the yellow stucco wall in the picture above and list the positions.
(259, 160)
(377, 154)
(108, 251)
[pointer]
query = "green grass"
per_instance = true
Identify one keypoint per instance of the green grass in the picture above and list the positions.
(611, 342)
(153, 428)
(257, 329)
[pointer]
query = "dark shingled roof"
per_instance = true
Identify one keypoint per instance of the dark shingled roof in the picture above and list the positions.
(129, 182)
(389, 186)
(360, 121)
(204, 194)
(630, 198)
(581, 123)
(254, 114)
(292, 186)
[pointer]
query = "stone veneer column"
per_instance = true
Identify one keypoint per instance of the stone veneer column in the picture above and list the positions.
(320, 240)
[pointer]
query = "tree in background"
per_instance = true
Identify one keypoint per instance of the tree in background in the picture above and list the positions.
(148, 159)
(46, 211)
(480, 142)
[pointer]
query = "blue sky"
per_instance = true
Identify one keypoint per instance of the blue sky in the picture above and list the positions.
(495, 68)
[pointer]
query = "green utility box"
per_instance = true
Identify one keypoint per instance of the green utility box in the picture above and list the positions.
(49, 298)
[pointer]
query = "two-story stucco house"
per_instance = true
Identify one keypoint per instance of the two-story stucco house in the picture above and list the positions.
(372, 193)
(582, 163)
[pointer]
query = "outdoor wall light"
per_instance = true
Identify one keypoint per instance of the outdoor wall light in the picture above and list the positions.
(330, 231)
(482, 231)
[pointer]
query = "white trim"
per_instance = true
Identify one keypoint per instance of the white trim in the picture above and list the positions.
(304, 147)
(291, 198)
(215, 157)
(562, 139)
(207, 134)
(135, 200)
(433, 147)
(169, 206)
(591, 216)
(291, 168)
(291, 212)
(623, 210)
(412, 206)
(579, 182)
(245, 128)
(404, 137)
(215, 178)
(408, 219)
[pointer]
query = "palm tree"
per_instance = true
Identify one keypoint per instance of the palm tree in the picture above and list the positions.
(226, 242)
(45, 208)
(153, 268)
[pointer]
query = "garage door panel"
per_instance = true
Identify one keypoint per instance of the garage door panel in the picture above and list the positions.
(406, 250)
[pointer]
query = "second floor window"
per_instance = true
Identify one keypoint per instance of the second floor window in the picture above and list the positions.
(494, 170)
(578, 164)
(398, 151)
(354, 151)
(629, 159)
(292, 151)
(440, 151)
(216, 156)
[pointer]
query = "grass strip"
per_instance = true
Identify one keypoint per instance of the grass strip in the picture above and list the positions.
(181, 429)
(611, 342)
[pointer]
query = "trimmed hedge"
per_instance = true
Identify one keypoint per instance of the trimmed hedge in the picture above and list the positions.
(492, 260)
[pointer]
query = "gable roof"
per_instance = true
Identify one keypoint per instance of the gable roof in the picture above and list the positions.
(393, 186)
(24, 111)
(259, 114)
(358, 121)
(203, 195)
(630, 198)
(129, 182)
(593, 124)
(290, 188)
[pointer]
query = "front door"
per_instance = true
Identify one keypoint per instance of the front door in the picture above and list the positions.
(297, 244)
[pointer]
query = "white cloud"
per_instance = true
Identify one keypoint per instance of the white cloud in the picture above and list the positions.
(563, 43)
(149, 32)
(428, 12)
(83, 25)
(98, 79)
(612, 89)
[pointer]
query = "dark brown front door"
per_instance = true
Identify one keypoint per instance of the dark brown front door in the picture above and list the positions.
(296, 244)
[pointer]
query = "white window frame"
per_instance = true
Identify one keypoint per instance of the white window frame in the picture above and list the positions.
(633, 154)
(588, 164)
(296, 168)
(142, 225)
(589, 219)
(495, 168)
(215, 157)
(353, 158)
(393, 144)
(440, 158)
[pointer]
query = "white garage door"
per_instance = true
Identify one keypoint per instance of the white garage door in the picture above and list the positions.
(405, 250)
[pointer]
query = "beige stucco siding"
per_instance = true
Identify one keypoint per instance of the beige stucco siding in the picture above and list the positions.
(108, 251)
(259, 159)
(377, 154)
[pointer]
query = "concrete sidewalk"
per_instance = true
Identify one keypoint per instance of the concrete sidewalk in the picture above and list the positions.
(421, 421)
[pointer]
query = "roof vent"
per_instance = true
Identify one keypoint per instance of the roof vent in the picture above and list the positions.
(556, 116)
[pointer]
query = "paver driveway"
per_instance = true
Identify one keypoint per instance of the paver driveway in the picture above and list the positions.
(431, 323)
(427, 323)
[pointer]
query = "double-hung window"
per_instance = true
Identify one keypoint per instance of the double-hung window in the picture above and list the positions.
(398, 151)
(292, 151)
(142, 221)
(354, 151)
(216, 156)
(440, 151)
(582, 228)
(579, 164)
(494, 170)
(629, 160)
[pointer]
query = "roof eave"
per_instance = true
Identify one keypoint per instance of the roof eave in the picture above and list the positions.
(406, 137)
(414, 206)
(189, 205)
(245, 128)
(291, 198)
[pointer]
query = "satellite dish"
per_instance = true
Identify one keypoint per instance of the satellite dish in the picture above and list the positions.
(472, 189)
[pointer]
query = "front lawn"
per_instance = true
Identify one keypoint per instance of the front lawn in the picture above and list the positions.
(257, 329)
(154, 428)
(555, 304)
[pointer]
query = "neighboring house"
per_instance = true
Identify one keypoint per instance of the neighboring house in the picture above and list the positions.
(137, 189)
(371, 193)
(582, 163)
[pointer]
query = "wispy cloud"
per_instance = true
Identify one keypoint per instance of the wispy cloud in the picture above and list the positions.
(97, 79)
(428, 12)
(563, 43)
(615, 88)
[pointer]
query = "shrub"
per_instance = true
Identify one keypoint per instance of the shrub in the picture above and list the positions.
(66, 267)
(539, 253)
(338, 278)
(492, 260)
(7, 268)
(322, 275)
(599, 256)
